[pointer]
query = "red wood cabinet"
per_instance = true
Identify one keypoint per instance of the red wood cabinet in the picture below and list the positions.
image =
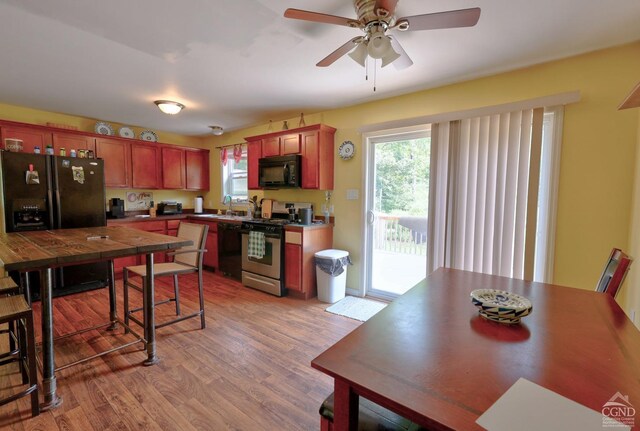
(314, 143)
(197, 169)
(254, 152)
(145, 166)
(70, 141)
(271, 147)
(116, 154)
(31, 138)
(290, 144)
(293, 267)
(301, 245)
(210, 258)
(173, 171)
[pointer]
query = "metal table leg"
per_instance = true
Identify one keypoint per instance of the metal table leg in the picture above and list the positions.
(51, 400)
(149, 313)
(113, 311)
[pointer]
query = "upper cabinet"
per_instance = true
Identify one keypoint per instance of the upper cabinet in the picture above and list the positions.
(30, 137)
(314, 143)
(129, 163)
(146, 170)
(116, 154)
(173, 168)
(197, 169)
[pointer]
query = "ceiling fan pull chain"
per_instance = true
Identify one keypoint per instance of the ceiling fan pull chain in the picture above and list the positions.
(374, 74)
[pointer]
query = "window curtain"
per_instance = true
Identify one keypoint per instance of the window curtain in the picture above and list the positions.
(484, 193)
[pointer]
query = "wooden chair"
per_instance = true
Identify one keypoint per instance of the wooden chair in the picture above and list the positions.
(614, 272)
(186, 260)
(15, 311)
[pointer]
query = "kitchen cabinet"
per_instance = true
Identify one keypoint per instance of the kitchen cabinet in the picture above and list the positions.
(173, 171)
(31, 137)
(145, 166)
(254, 152)
(300, 246)
(116, 154)
(197, 169)
(314, 143)
(210, 259)
(70, 141)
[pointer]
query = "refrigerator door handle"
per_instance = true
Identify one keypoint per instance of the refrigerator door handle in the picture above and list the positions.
(58, 212)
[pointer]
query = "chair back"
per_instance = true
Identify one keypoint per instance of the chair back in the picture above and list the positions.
(196, 233)
(614, 272)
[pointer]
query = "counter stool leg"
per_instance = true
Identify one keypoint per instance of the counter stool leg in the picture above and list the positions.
(176, 293)
(125, 297)
(149, 312)
(113, 311)
(33, 374)
(201, 293)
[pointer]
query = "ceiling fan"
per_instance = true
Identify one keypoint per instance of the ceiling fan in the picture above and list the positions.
(375, 18)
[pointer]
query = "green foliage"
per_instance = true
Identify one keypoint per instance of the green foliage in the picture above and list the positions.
(402, 177)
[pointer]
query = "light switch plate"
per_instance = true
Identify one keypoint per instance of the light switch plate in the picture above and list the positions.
(352, 194)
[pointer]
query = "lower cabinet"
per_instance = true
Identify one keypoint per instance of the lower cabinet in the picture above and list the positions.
(300, 246)
(210, 259)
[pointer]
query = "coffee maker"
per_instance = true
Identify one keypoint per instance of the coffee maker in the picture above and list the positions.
(117, 208)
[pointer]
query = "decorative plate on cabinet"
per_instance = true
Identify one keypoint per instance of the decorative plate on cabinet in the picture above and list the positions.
(148, 136)
(103, 128)
(346, 150)
(126, 132)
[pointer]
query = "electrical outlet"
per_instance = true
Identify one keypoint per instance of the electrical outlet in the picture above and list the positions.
(352, 194)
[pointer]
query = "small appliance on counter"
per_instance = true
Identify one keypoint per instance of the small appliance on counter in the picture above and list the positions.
(117, 208)
(305, 216)
(169, 208)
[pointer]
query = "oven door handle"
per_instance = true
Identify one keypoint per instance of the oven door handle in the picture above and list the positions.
(266, 235)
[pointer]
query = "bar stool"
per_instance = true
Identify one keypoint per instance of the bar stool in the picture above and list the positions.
(15, 311)
(9, 287)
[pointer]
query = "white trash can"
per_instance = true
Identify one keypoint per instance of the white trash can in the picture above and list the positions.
(331, 274)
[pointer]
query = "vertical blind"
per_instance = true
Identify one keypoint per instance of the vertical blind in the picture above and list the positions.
(484, 193)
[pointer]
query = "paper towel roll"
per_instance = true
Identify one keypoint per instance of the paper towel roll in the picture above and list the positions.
(197, 205)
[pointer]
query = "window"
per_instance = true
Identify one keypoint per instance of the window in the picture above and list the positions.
(234, 175)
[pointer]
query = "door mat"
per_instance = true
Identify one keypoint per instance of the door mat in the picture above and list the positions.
(356, 308)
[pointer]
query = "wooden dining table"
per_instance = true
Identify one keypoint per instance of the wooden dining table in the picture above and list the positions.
(44, 250)
(431, 358)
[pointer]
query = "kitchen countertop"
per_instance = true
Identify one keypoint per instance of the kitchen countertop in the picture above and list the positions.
(207, 217)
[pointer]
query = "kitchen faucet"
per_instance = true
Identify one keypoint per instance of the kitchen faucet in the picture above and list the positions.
(228, 200)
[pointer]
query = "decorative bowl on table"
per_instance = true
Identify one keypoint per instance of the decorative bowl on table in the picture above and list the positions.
(501, 306)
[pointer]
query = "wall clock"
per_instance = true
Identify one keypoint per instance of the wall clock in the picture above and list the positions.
(346, 150)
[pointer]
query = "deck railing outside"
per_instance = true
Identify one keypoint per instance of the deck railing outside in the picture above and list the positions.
(400, 234)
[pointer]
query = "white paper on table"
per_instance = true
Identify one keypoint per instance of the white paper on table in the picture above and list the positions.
(527, 406)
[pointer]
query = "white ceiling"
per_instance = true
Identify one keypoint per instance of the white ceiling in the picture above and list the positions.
(236, 63)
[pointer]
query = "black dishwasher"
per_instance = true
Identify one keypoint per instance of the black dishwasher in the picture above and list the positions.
(230, 250)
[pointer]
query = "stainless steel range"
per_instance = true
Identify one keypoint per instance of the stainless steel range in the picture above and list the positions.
(266, 273)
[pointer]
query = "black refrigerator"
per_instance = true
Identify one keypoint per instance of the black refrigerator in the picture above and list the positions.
(48, 192)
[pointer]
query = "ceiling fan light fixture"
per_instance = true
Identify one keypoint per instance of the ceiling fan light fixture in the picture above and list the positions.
(169, 107)
(216, 130)
(359, 55)
(379, 45)
(390, 57)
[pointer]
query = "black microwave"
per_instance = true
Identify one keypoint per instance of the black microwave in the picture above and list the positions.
(279, 172)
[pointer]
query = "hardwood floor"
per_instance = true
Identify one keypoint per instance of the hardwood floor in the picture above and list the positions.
(248, 370)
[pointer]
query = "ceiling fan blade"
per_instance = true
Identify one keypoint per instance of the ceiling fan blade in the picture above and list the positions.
(306, 15)
(404, 60)
(331, 58)
(388, 5)
(449, 19)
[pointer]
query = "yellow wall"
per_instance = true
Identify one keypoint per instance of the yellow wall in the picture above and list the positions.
(598, 152)
(35, 116)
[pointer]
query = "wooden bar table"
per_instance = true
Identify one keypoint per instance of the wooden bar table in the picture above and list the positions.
(431, 358)
(44, 250)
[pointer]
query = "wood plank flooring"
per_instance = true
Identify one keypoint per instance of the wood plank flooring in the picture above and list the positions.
(248, 370)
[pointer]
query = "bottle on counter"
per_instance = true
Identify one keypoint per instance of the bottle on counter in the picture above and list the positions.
(152, 209)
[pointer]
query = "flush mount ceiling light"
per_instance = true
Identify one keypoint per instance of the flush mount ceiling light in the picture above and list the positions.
(169, 107)
(217, 130)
